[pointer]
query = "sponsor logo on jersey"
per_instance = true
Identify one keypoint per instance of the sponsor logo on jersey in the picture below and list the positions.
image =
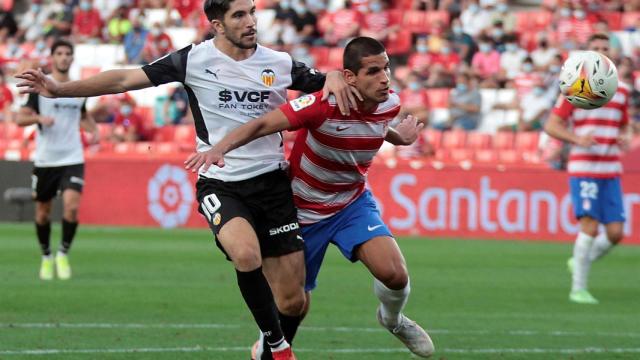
(284, 229)
(214, 73)
(302, 102)
(268, 77)
(342, 128)
(248, 100)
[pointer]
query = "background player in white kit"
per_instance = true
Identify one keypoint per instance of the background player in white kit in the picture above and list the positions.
(59, 160)
(594, 168)
(249, 206)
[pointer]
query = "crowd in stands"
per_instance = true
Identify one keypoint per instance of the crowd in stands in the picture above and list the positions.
(486, 66)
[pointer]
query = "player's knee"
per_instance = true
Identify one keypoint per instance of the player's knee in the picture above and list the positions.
(71, 213)
(246, 259)
(615, 237)
(292, 304)
(395, 278)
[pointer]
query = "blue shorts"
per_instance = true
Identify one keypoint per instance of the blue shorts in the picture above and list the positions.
(356, 224)
(600, 199)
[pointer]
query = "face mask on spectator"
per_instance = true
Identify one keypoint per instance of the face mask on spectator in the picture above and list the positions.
(565, 12)
(35, 8)
(527, 67)
(40, 45)
(414, 86)
(85, 6)
(502, 7)
(497, 33)
(461, 87)
(457, 30)
(554, 69)
(375, 7)
(511, 47)
(485, 48)
(579, 14)
(155, 31)
(422, 48)
(538, 90)
(164, 44)
(474, 8)
(126, 110)
(284, 5)
(445, 50)
(299, 7)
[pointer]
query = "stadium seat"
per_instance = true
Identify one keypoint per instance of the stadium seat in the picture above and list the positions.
(478, 140)
(415, 21)
(104, 130)
(123, 148)
(454, 139)
(527, 140)
(438, 98)
(437, 116)
(629, 19)
(399, 43)
(166, 147)
(184, 134)
(613, 19)
(508, 156)
(503, 140)
(432, 137)
(321, 55)
(532, 20)
(486, 156)
(458, 155)
(334, 59)
(433, 17)
(164, 133)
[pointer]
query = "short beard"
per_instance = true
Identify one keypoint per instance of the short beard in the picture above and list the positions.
(61, 71)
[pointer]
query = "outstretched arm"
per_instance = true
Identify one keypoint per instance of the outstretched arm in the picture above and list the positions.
(273, 122)
(108, 82)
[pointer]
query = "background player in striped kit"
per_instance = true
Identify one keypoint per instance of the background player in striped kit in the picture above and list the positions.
(594, 168)
(329, 164)
(59, 160)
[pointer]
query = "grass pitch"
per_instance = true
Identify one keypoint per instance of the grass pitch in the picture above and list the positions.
(169, 294)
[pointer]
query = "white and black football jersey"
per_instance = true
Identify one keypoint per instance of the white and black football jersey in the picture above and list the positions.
(225, 93)
(59, 144)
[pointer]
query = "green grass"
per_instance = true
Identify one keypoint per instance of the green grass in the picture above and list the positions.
(160, 294)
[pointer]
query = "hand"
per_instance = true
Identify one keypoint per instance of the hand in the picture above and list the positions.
(36, 82)
(586, 140)
(344, 93)
(207, 158)
(409, 129)
(46, 120)
(94, 137)
(624, 141)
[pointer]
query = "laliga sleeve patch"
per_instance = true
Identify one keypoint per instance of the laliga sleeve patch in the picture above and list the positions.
(302, 102)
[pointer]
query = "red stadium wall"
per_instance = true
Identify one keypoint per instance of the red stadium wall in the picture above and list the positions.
(523, 204)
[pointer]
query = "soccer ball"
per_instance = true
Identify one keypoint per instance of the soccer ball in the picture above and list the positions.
(588, 79)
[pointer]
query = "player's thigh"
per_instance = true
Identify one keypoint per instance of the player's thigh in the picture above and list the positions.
(240, 242)
(382, 256)
(615, 231)
(71, 199)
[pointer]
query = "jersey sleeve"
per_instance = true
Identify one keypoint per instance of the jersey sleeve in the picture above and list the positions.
(306, 111)
(170, 68)
(33, 103)
(306, 79)
(563, 108)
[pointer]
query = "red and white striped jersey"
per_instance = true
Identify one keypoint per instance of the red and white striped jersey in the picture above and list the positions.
(332, 152)
(603, 159)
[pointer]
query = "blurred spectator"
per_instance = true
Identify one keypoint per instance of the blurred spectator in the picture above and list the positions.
(301, 53)
(414, 99)
(525, 81)
(543, 54)
(497, 35)
(449, 60)
(119, 25)
(12, 56)
(340, 26)
(465, 103)
(574, 27)
(634, 112)
(486, 63)
(107, 106)
(158, 44)
(59, 20)
(533, 109)
(8, 25)
(6, 100)
(462, 43)
(550, 77)
(378, 23)
(420, 59)
(436, 36)
(87, 23)
(283, 30)
(188, 10)
(474, 19)
(127, 125)
(440, 77)
(33, 21)
(502, 14)
(304, 22)
(512, 58)
(134, 41)
(176, 108)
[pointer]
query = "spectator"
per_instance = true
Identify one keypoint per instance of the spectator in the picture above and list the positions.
(188, 10)
(33, 21)
(449, 60)
(13, 55)
(378, 23)
(59, 20)
(8, 25)
(486, 63)
(512, 58)
(87, 23)
(339, 26)
(506, 17)
(414, 99)
(462, 43)
(301, 53)
(474, 19)
(134, 42)
(108, 106)
(543, 55)
(440, 77)
(497, 35)
(119, 25)
(304, 21)
(283, 30)
(436, 36)
(634, 112)
(420, 59)
(127, 125)
(533, 109)
(525, 81)
(176, 108)
(465, 104)
(6, 100)
(157, 44)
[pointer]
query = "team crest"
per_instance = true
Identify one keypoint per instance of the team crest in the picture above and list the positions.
(216, 219)
(302, 102)
(268, 77)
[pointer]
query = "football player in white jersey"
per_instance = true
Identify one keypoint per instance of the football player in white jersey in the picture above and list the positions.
(249, 206)
(594, 167)
(59, 160)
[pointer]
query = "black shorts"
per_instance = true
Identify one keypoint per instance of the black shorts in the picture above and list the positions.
(265, 201)
(47, 181)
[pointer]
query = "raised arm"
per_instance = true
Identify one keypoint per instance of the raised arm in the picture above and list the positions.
(108, 82)
(270, 123)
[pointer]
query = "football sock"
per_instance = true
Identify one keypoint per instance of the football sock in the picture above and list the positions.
(582, 262)
(258, 297)
(392, 301)
(601, 246)
(289, 325)
(68, 233)
(44, 237)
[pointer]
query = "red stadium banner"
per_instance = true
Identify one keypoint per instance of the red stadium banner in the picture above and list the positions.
(518, 204)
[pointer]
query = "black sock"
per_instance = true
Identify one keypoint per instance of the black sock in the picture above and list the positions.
(44, 237)
(68, 233)
(289, 325)
(257, 294)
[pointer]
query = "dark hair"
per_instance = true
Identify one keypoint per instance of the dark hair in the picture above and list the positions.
(598, 36)
(61, 42)
(357, 49)
(215, 9)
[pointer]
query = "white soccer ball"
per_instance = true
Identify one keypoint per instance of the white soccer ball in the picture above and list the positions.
(588, 79)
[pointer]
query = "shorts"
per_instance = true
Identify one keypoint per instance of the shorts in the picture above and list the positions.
(597, 198)
(47, 181)
(265, 201)
(351, 227)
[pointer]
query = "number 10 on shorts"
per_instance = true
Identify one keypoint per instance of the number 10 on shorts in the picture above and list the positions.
(210, 205)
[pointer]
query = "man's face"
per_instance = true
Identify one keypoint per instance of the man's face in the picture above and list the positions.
(601, 46)
(374, 78)
(239, 24)
(62, 59)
